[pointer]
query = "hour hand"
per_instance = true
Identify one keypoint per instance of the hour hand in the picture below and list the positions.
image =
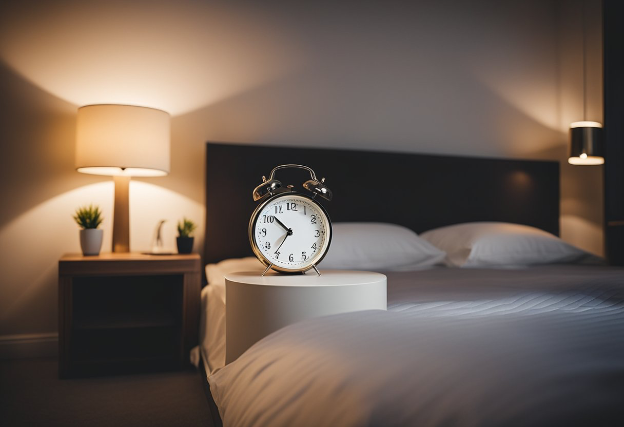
(283, 226)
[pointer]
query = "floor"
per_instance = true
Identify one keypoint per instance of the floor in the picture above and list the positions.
(32, 395)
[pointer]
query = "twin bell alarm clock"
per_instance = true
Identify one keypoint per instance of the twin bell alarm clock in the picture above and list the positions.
(290, 232)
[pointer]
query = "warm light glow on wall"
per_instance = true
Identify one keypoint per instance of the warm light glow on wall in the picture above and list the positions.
(177, 56)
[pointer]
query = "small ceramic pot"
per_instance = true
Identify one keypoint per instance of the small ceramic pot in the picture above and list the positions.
(185, 244)
(91, 241)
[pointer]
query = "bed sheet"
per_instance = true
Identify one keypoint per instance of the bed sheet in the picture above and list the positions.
(409, 290)
(535, 346)
(211, 347)
(436, 291)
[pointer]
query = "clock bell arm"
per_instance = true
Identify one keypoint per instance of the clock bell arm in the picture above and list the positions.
(272, 185)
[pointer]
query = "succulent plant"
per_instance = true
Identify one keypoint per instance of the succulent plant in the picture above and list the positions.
(88, 216)
(186, 227)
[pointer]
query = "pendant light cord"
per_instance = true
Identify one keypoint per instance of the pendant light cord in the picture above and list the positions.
(584, 65)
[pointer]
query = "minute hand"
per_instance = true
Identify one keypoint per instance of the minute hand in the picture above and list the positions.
(285, 237)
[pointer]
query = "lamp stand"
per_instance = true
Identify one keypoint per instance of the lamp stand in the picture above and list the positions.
(121, 215)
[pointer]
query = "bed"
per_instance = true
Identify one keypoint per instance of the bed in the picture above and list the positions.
(485, 344)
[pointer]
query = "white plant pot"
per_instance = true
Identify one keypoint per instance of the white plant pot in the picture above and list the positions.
(91, 241)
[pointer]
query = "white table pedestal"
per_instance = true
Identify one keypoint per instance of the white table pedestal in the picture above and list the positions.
(256, 306)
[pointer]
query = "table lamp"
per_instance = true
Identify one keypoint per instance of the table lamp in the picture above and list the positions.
(122, 141)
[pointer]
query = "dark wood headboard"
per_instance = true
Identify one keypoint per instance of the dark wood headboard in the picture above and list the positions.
(418, 191)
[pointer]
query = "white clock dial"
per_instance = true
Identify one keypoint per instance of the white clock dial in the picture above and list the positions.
(292, 232)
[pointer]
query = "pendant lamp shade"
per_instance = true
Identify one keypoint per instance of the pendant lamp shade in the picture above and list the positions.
(586, 144)
(122, 140)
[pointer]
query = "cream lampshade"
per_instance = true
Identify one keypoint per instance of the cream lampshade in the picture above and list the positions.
(122, 141)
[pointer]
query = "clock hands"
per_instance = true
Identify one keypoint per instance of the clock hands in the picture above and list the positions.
(289, 232)
(283, 226)
(278, 248)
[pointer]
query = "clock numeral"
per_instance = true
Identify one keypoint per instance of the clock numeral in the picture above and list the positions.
(313, 247)
(304, 210)
(291, 257)
(278, 209)
(277, 254)
(317, 233)
(268, 218)
(267, 245)
(304, 256)
(263, 232)
(291, 206)
(312, 219)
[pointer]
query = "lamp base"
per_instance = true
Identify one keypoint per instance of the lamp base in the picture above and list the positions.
(121, 215)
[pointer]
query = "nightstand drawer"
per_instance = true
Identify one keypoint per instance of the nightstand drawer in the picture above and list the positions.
(127, 301)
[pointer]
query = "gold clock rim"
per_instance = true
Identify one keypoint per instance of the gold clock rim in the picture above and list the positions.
(260, 255)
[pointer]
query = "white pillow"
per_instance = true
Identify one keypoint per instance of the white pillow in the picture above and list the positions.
(500, 244)
(378, 246)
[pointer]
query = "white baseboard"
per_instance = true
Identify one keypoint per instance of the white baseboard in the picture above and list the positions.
(28, 346)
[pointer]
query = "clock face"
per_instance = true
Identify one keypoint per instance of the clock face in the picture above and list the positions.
(290, 231)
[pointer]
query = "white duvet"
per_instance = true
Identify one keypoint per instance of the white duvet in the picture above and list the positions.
(539, 348)
(212, 317)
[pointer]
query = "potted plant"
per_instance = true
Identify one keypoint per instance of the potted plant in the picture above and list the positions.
(185, 240)
(89, 219)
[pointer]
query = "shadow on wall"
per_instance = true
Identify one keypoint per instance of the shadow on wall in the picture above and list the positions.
(37, 150)
(437, 106)
(405, 109)
(33, 243)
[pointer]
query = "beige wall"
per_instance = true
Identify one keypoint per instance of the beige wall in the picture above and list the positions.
(484, 78)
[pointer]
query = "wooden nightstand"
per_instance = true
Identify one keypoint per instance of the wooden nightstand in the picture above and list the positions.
(127, 312)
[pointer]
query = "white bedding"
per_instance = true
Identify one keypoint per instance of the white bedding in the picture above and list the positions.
(540, 346)
(212, 317)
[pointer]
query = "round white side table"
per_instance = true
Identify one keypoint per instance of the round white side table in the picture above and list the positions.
(259, 305)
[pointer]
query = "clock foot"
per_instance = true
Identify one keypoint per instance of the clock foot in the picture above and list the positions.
(316, 269)
(267, 269)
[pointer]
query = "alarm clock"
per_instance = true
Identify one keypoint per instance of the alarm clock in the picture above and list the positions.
(290, 232)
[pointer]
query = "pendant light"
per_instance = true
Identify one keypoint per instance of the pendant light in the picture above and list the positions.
(585, 136)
